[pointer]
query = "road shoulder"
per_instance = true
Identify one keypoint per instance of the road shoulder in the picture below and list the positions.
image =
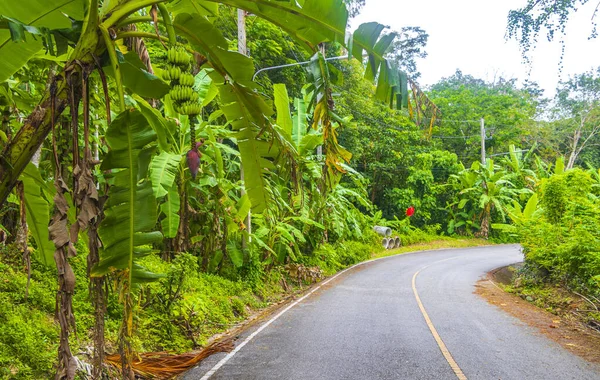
(572, 336)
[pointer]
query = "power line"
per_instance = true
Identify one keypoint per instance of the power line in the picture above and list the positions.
(505, 153)
(458, 137)
(296, 64)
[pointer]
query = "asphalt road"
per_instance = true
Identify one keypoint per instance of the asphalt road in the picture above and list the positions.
(367, 324)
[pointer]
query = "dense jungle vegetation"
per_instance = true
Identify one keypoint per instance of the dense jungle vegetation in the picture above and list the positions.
(155, 188)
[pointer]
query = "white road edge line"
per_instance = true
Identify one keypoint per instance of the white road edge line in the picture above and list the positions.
(214, 369)
(222, 362)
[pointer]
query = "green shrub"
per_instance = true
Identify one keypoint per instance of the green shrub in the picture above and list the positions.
(565, 243)
(28, 334)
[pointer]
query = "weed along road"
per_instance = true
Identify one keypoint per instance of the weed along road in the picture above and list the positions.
(404, 317)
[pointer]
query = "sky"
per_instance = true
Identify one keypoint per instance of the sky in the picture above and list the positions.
(470, 35)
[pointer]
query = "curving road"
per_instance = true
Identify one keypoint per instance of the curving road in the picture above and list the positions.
(367, 323)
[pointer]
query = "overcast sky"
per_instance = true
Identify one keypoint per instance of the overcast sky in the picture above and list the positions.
(470, 35)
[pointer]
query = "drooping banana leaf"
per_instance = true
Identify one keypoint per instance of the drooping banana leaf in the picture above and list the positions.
(324, 117)
(170, 209)
(136, 78)
(38, 214)
(312, 22)
(201, 7)
(163, 170)
(246, 112)
(164, 128)
(282, 105)
(127, 231)
(300, 125)
(309, 22)
(209, 40)
(37, 13)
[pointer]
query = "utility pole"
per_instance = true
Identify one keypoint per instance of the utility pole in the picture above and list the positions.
(319, 96)
(243, 49)
(482, 141)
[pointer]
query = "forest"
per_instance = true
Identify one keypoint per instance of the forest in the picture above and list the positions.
(168, 168)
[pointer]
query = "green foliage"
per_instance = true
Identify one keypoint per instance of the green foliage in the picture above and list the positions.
(565, 243)
(554, 198)
(38, 213)
(28, 333)
(308, 209)
(14, 43)
(332, 258)
(464, 100)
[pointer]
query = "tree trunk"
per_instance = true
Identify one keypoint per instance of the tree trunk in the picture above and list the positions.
(485, 223)
(574, 149)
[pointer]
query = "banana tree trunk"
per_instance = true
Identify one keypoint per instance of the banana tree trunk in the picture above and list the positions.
(485, 223)
(21, 148)
(19, 151)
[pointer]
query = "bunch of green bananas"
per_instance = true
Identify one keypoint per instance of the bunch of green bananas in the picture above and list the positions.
(172, 73)
(187, 79)
(182, 93)
(179, 57)
(189, 108)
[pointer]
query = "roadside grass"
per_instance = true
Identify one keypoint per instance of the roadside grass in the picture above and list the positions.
(438, 243)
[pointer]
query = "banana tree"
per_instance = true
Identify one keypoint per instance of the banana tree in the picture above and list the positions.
(328, 21)
(484, 189)
(93, 48)
(517, 171)
(520, 216)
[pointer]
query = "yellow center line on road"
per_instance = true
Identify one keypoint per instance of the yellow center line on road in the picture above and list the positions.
(457, 371)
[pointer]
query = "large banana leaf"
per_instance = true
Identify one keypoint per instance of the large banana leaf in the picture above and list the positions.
(391, 85)
(38, 13)
(38, 214)
(203, 8)
(310, 21)
(244, 109)
(128, 228)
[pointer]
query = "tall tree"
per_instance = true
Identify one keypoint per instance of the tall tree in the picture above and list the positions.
(409, 46)
(578, 101)
(354, 7)
(464, 100)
